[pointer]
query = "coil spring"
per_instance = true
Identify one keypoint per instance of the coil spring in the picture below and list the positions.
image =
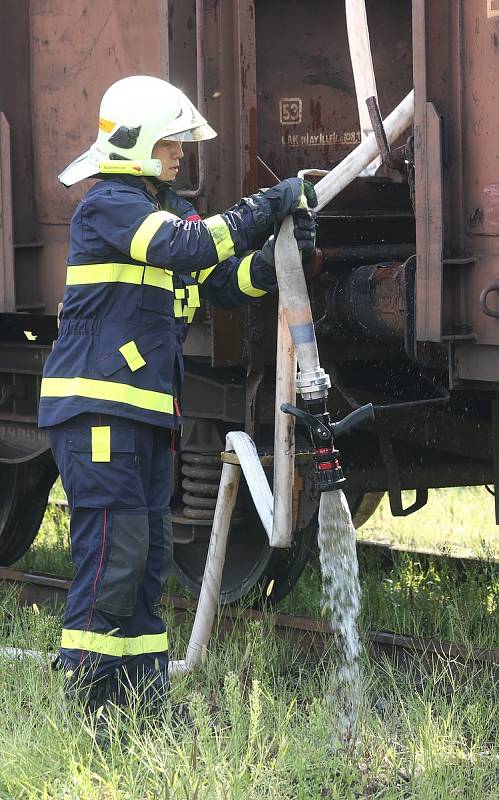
(201, 479)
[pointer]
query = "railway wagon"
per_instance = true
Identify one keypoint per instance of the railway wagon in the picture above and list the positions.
(405, 291)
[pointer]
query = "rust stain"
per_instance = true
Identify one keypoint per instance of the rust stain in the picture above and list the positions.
(315, 113)
(250, 179)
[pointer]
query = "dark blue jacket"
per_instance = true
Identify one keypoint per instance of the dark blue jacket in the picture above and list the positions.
(137, 267)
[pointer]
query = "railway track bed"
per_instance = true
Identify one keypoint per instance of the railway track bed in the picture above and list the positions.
(311, 636)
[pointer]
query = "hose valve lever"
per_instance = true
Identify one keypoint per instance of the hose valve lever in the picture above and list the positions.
(321, 433)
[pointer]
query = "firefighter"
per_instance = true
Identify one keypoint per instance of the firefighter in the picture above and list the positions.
(140, 258)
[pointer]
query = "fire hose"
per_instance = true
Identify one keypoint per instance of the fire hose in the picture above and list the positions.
(296, 335)
(295, 342)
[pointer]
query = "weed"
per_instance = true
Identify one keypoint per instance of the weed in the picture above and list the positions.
(262, 738)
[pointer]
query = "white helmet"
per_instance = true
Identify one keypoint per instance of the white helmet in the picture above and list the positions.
(134, 114)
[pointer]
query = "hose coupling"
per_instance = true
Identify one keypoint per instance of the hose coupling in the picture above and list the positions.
(313, 384)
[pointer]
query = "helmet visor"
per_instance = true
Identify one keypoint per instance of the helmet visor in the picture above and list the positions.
(197, 134)
(188, 125)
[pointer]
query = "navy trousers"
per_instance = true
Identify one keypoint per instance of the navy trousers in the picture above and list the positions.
(116, 474)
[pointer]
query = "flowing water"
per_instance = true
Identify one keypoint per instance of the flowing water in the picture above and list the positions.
(340, 576)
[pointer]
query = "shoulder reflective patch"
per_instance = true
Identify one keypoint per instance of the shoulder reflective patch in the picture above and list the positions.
(114, 645)
(109, 391)
(146, 232)
(104, 273)
(132, 356)
(244, 278)
(101, 443)
(220, 234)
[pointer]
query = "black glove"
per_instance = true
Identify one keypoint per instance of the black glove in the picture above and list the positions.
(304, 231)
(272, 205)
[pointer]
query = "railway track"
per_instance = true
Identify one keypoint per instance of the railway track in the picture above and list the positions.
(310, 635)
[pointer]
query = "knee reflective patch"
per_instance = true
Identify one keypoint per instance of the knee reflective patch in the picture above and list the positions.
(125, 565)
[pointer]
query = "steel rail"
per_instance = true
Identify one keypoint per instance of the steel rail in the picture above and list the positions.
(309, 634)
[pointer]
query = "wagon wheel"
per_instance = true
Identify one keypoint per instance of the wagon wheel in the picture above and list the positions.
(24, 490)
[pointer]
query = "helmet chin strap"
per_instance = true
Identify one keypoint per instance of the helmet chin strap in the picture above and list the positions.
(159, 183)
(156, 184)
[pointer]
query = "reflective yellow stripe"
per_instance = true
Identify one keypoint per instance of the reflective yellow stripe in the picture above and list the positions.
(104, 273)
(220, 234)
(146, 231)
(244, 278)
(101, 443)
(107, 390)
(120, 273)
(188, 313)
(156, 276)
(114, 645)
(132, 355)
(187, 309)
(204, 273)
(193, 296)
(178, 309)
(148, 643)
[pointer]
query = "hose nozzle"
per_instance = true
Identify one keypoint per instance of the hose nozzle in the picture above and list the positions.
(328, 472)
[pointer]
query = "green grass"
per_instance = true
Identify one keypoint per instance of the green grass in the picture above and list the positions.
(50, 552)
(416, 596)
(262, 729)
(262, 712)
(458, 521)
